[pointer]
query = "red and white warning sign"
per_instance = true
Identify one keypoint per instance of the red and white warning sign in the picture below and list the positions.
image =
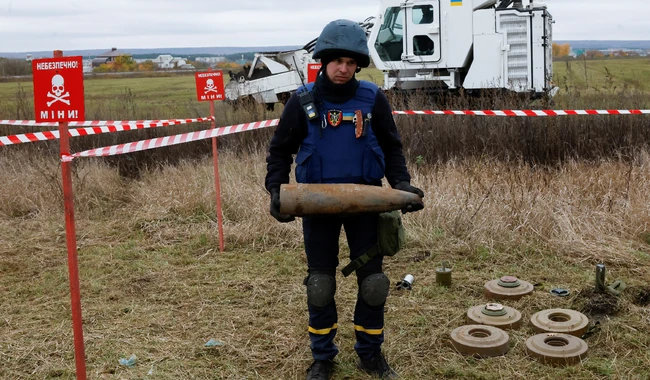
(58, 89)
(209, 85)
(312, 72)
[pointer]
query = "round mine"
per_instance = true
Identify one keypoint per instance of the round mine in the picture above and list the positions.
(557, 349)
(495, 314)
(507, 287)
(560, 321)
(480, 340)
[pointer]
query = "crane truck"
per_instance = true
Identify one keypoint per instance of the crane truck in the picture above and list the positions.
(438, 45)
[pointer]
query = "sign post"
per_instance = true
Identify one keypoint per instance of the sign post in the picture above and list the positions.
(59, 96)
(209, 87)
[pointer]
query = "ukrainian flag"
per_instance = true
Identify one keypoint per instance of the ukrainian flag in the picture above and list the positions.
(456, 3)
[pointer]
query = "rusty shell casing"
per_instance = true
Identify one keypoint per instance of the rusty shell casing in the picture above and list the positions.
(329, 199)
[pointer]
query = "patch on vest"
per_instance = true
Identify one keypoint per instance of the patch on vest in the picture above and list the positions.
(334, 117)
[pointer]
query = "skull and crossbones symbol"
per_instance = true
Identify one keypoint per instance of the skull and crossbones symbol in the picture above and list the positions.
(210, 87)
(57, 94)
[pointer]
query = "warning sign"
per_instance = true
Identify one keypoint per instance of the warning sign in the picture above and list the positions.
(58, 89)
(209, 85)
(312, 72)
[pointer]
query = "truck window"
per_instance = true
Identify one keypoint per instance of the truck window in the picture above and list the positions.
(423, 14)
(389, 43)
(423, 45)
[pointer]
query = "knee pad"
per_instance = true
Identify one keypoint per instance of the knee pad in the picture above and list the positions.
(374, 289)
(320, 289)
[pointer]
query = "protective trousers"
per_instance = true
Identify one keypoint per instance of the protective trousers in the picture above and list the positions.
(321, 234)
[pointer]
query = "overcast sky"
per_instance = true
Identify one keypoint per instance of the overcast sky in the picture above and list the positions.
(45, 25)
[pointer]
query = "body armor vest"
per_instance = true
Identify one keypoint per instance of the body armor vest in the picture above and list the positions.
(337, 149)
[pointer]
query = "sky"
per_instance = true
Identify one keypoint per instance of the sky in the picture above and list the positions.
(45, 25)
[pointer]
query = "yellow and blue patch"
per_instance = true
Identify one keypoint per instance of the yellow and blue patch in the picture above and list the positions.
(456, 3)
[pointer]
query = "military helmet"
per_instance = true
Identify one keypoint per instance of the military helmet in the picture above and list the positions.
(343, 38)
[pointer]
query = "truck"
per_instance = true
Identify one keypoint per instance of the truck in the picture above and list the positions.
(432, 45)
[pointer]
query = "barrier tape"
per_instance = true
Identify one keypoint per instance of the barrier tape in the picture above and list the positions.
(137, 146)
(525, 112)
(85, 123)
(407, 112)
(28, 123)
(98, 128)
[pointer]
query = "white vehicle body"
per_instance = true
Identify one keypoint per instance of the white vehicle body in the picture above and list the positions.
(288, 70)
(443, 45)
(474, 45)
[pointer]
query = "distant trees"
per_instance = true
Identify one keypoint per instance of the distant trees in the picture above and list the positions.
(199, 65)
(122, 63)
(147, 65)
(228, 65)
(594, 54)
(13, 67)
(559, 51)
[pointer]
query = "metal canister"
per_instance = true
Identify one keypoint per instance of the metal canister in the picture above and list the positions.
(406, 283)
(600, 278)
(443, 275)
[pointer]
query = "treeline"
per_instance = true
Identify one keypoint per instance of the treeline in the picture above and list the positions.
(564, 51)
(124, 63)
(14, 67)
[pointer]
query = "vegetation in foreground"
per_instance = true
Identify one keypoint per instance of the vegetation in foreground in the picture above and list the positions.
(154, 284)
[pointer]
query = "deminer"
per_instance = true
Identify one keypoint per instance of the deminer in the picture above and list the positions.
(342, 131)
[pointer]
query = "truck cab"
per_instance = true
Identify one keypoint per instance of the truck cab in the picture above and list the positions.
(469, 44)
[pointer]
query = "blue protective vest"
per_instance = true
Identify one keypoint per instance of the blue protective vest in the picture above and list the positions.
(334, 154)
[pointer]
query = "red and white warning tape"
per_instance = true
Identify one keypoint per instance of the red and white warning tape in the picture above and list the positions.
(94, 128)
(525, 112)
(87, 123)
(94, 123)
(97, 127)
(137, 146)
(28, 123)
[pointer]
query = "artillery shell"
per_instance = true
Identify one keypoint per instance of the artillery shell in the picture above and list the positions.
(340, 199)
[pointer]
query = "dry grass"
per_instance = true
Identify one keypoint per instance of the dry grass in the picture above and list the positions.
(153, 283)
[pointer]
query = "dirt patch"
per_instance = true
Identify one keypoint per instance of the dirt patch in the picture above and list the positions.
(641, 296)
(419, 257)
(9, 267)
(596, 305)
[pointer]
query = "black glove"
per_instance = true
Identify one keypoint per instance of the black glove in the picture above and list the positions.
(275, 208)
(413, 206)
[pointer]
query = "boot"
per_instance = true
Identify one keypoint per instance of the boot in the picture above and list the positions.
(378, 367)
(320, 370)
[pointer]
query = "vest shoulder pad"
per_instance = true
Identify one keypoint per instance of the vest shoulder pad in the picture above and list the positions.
(306, 87)
(367, 92)
(369, 85)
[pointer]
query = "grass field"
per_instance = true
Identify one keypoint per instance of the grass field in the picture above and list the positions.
(154, 284)
(171, 96)
(603, 75)
(502, 198)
